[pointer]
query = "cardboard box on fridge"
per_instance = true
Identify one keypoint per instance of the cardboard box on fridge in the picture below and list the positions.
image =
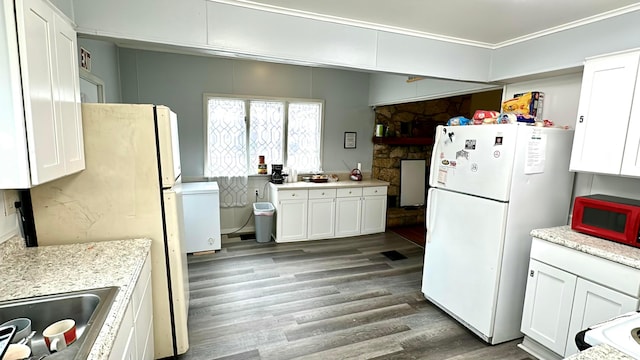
(529, 103)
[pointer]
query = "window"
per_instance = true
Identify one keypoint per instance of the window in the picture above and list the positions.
(287, 132)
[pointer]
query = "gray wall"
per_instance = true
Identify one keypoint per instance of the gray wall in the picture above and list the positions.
(179, 81)
(104, 64)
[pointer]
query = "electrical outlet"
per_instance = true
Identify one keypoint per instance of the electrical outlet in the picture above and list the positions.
(10, 198)
(257, 194)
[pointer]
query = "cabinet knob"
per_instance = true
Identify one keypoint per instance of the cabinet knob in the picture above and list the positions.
(581, 119)
(531, 273)
(349, 192)
(322, 193)
(293, 194)
(375, 191)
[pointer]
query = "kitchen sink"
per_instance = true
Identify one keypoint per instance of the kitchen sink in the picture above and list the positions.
(89, 309)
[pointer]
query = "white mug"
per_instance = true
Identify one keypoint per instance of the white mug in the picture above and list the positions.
(60, 334)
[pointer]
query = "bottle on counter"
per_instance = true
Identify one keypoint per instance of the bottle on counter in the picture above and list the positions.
(262, 166)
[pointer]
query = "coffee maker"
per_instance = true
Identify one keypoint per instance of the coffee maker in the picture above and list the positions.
(276, 174)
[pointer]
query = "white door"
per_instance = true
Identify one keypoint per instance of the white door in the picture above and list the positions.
(476, 160)
(463, 252)
(68, 96)
(631, 157)
(606, 96)
(39, 81)
(594, 304)
(348, 216)
(322, 218)
(374, 214)
(547, 305)
(291, 217)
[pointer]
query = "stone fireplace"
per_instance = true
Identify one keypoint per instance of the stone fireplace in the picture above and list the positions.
(409, 131)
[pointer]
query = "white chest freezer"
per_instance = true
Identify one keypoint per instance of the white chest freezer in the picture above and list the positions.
(201, 209)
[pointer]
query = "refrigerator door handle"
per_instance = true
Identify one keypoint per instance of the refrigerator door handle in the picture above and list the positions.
(434, 165)
(428, 222)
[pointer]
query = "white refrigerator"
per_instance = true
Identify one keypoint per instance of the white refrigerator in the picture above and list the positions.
(490, 186)
(129, 189)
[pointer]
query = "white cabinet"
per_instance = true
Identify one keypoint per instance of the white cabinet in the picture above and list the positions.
(291, 214)
(348, 212)
(374, 209)
(44, 96)
(134, 339)
(568, 291)
(327, 212)
(547, 305)
(593, 304)
(607, 135)
(322, 213)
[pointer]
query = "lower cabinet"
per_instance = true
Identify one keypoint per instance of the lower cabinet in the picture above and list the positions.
(134, 339)
(348, 212)
(324, 213)
(291, 214)
(565, 294)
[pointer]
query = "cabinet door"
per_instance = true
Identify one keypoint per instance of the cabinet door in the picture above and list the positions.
(604, 109)
(67, 97)
(374, 214)
(547, 305)
(348, 216)
(291, 220)
(593, 304)
(631, 158)
(36, 36)
(322, 215)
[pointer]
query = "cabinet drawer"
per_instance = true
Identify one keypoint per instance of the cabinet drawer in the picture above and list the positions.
(322, 193)
(349, 192)
(374, 190)
(292, 194)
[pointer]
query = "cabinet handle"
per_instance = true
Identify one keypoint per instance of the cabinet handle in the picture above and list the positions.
(581, 119)
(531, 273)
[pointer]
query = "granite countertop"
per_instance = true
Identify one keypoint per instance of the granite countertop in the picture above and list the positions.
(45, 270)
(300, 185)
(563, 235)
(599, 352)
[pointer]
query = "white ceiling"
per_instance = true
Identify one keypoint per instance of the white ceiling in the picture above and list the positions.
(491, 22)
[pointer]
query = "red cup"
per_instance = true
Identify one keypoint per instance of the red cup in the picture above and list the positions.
(60, 334)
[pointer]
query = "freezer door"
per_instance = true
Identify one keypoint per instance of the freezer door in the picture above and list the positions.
(476, 160)
(169, 146)
(177, 257)
(463, 252)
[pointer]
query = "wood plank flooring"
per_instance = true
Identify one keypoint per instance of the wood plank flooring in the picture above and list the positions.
(326, 299)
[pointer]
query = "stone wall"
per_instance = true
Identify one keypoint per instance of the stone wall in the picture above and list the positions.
(417, 119)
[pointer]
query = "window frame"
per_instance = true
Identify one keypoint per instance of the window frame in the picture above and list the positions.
(247, 100)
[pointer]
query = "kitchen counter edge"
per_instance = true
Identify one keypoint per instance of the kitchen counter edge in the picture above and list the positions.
(28, 272)
(609, 250)
(300, 185)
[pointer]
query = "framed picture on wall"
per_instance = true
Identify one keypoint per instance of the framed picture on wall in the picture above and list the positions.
(350, 140)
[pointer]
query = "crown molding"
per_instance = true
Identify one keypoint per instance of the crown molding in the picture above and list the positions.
(398, 30)
(351, 22)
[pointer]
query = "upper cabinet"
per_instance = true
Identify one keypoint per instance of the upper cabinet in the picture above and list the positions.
(43, 92)
(607, 135)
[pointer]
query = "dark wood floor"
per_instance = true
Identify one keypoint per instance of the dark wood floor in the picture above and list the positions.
(413, 233)
(326, 299)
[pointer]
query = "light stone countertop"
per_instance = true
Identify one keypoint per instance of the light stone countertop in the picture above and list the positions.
(600, 352)
(46, 270)
(563, 235)
(301, 185)
(609, 250)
